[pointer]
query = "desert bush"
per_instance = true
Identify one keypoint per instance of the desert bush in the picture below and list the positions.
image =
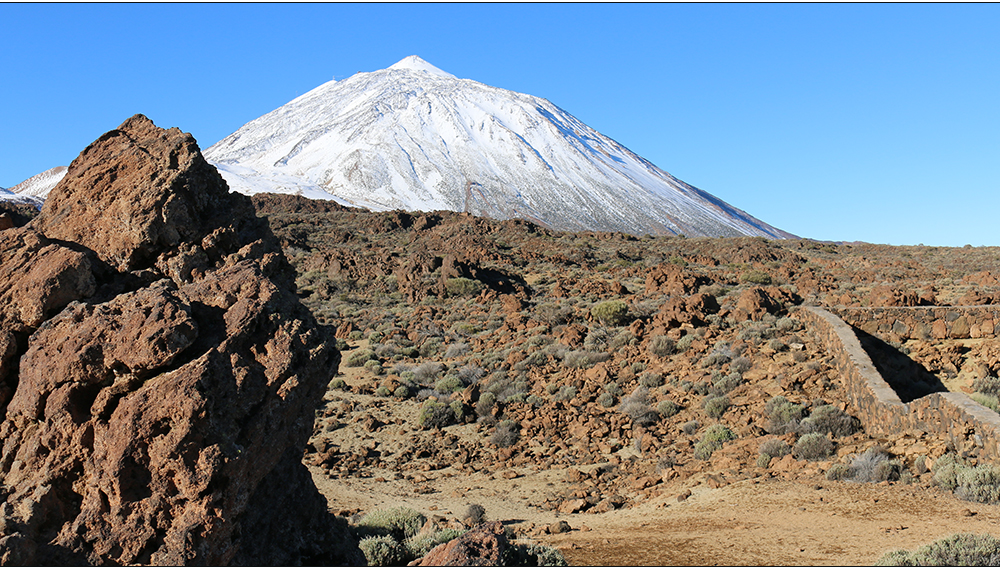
(506, 434)
(711, 440)
(728, 383)
(534, 554)
(756, 277)
(690, 427)
(782, 416)
(667, 408)
(449, 384)
(460, 286)
(435, 414)
(399, 522)
(636, 407)
(455, 350)
(610, 313)
(988, 385)
(685, 343)
(360, 357)
(431, 346)
(476, 513)
(534, 400)
(597, 339)
(963, 549)
(565, 394)
(838, 472)
(419, 545)
(401, 392)
(980, 484)
(777, 345)
(552, 314)
(716, 407)
(662, 345)
(739, 365)
(988, 400)
(787, 324)
(651, 379)
(830, 419)
(383, 392)
(337, 384)
(383, 551)
(584, 358)
(374, 366)
(613, 389)
(606, 399)
(775, 448)
(470, 374)
(946, 470)
(485, 404)
(812, 447)
(873, 466)
(426, 372)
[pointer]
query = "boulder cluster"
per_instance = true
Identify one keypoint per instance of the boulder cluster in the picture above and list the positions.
(158, 374)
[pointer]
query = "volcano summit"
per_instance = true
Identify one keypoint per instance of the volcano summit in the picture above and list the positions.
(414, 137)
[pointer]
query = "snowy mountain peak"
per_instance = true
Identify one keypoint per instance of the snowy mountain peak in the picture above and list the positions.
(413, 137)
(416, 63)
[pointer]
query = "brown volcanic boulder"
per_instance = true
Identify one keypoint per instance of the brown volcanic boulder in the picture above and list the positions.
(162, 424)
(137, 192)
(38, 279)
(484, 545)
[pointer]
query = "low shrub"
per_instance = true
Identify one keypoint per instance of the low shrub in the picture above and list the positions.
(988, 400)
(662, 345)
(690, 427)
(606, 399)
(711, 440)
(584, 358)
(506, 434)
(716, 407)
(457, 349)
(775, 448)
(980, 484)
(360, 357)
(476, 513)
(419, 545)
(636, 407)
(399, 522)
(830, 419)
(813, 447)
(728, 383)
(963, 549)
(782, 416)
(460, 286)
(435, 414)
(383, 551)
(667, 408)
(685, 343)
(565, 394)
(756, 277)
(610, 313)
(988, 385)
(449, 384)
(873, 466)
(651, 379)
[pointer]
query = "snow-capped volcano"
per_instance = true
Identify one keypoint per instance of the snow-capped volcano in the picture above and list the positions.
(414, 137)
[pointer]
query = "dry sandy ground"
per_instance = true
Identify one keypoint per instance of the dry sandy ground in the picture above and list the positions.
(762, 521)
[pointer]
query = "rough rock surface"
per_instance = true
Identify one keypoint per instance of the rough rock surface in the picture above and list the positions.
(161, 376)
(484, 545)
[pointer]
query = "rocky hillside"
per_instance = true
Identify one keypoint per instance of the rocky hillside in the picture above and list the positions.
(158, 375)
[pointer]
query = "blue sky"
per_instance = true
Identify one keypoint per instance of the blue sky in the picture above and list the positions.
(867, 122)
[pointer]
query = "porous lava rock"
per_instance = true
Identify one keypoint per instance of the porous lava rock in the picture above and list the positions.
(164, 375)
(484, 545)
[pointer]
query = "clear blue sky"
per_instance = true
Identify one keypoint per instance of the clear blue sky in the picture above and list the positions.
(877, 123)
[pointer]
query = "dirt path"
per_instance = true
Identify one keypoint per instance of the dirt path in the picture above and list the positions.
(747, 523)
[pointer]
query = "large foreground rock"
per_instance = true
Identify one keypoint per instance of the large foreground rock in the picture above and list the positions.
(158, 374)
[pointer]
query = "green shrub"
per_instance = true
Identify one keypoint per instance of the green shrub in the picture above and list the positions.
(460, 286)
(690, 427)
(401, 392)
(830, 419)
(980, 484)
(764, 460)
(667, 408)
(651, 379)
(383, 551)
(728, 383)
(782, 415)
(873, 466)
(448, 384)
(383, 392)
(685, 343)
(419, 545)
(610, 313)
(435, 414)
(565, 394)
(946, 470)
(360, 357)
(506, 434)
(756, 277)
(584, 358)
(662, 345)
(485, 404)
(813, 447)
(606, 400)
(476, 513)
(988, 385)
(399, 522)
(775, 448)
(963, 549)
(337, 384)
(613, 388)
(711, 440)
(636, 407)
(988, 400)
(535, 554)
(716, 407)
(839, 472)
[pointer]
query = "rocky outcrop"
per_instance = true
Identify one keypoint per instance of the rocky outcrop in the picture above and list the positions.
(484, 545)
(161, 374)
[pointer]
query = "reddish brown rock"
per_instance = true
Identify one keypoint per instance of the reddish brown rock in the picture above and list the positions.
(671, 279)
(158, 418)
(6, 222)
(484, 545)
(754, 303)
(139, 192)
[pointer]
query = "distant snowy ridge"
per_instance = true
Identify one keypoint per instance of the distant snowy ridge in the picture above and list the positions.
(39, 185)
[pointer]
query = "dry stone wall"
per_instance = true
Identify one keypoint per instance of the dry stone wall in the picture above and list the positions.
(969, 426)
(939, 323)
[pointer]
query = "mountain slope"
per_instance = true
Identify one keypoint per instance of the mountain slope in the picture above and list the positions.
(39, 185)
(415, 137)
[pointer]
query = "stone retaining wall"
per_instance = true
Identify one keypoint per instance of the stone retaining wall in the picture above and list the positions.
(901, 323)
(955, 417)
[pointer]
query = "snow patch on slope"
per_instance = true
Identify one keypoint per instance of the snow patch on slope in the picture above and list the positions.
(417, 138)
(39, 185)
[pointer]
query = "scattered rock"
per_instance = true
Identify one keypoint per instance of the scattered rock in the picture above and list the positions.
(483, 545)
